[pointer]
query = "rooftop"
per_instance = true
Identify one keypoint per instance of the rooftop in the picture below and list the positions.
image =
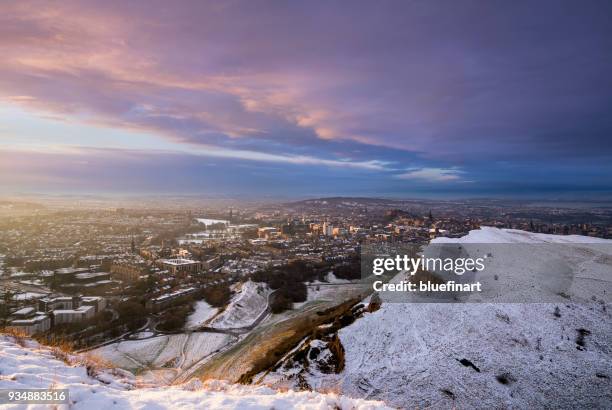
(24, 311)
(178, 261)
(81, 309)
(90, 275)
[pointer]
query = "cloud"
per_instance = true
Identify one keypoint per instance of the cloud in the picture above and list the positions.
(275, 75)
(200, 151)
(432, 174)
(370, 88)
(78, 169)
(372, 165)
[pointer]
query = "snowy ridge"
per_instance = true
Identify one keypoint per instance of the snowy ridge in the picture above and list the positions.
(35, 366)
(487, 234)
(530, 267)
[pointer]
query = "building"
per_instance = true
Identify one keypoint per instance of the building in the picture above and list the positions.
(339, 232)
(291, 229)
(38, 323)
(73, 315)
(328, 229)
(355, 229)
(71, 303)
(66, 275)
(97, 302)
(180, 265)
(62, 302)
(24, 313)
(267, 232)
(163, 301)
(91, 277)
(128, 272)
(30, 322)
(212, 263)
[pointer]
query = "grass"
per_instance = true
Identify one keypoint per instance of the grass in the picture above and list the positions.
(19, 336)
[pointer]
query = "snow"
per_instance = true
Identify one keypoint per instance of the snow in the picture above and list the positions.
(177, 352)
(319, 356)
(201, 345)
(208, 221)
(34, 366)
(28, 296)
(487, 234)
(321, 293)
(245, 307)
(142, 335)
(528, 355)
(331, 292)
(170, 352)
(409, 353)
(202, 314)
(132, 354)
(529, 267)
(331, 278)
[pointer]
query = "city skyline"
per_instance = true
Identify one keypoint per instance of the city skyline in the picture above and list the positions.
(304, 99)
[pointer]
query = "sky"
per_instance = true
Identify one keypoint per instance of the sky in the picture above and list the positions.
(386, 98)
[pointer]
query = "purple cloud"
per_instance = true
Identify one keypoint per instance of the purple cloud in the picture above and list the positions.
(433, 87)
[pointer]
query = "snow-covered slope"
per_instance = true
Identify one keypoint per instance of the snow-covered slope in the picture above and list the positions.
(481, 356)
(202, 314)
(34, 366)
(484, 355)
(244, 308)
(163, 354)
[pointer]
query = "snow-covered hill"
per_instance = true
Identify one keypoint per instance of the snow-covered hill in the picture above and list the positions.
(246, 306)
(29, 365)
(484, 355)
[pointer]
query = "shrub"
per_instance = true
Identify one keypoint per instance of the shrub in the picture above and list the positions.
(280, 302)
(217, 296)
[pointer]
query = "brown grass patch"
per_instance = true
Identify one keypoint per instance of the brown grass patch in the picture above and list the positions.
(336, 348)
(18, 336)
